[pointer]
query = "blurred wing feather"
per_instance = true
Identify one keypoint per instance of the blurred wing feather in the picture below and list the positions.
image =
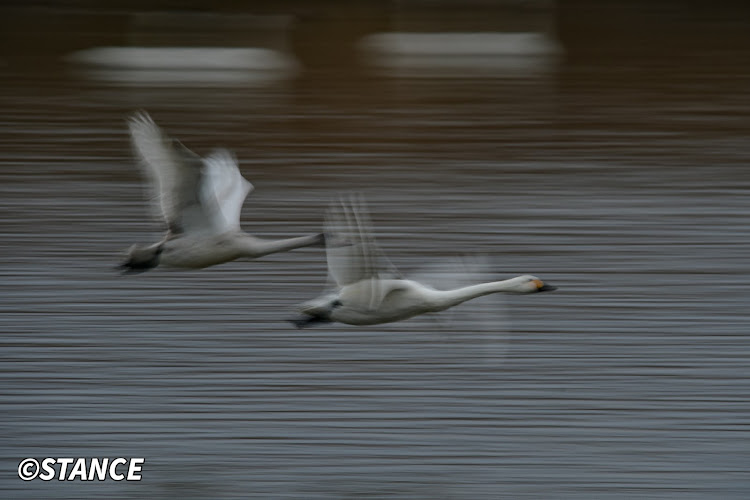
(352, 253)
(191, 194)
(224, 190)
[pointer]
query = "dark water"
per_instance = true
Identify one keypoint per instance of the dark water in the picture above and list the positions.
(617, 170)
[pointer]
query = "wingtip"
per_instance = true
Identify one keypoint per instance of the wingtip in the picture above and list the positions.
(223, 154)
(140, 114)
(140, 118)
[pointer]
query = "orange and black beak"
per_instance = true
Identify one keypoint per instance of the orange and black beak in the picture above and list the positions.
(544, 287)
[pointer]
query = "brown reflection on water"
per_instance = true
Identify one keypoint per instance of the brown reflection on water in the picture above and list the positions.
(616, 171)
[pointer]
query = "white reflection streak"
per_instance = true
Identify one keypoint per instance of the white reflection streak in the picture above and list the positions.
(187, 65)
(431, 54)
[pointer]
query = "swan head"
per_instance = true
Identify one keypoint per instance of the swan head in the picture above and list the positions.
(141, 258)
(531, 284)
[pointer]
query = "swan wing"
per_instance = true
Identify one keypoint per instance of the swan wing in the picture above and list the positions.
(224, 190)
(484, 321)
(174, 173)
(351, 251)
(353, 256)
(190, 194)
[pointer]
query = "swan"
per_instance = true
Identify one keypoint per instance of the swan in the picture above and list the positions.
(200, 199)
(367, 288)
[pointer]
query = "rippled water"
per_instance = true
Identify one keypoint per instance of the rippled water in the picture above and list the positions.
(617, 172)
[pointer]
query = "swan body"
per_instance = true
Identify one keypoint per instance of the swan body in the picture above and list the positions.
(200, 199)
(366, 294)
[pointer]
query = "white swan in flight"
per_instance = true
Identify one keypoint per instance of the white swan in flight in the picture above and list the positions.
(369, 291)
(200, 199)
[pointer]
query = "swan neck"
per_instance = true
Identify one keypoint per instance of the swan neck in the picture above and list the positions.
(256, 247)
(459, 295)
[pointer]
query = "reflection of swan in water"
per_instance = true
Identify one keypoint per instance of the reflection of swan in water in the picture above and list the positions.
(200, 199)
(369, 291)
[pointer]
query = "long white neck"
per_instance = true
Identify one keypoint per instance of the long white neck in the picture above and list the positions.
(253, 247)
(449, 298)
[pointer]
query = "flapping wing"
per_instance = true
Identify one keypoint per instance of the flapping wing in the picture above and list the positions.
(352, 253)
(191, 194)
(224, 190)
(484, 322)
